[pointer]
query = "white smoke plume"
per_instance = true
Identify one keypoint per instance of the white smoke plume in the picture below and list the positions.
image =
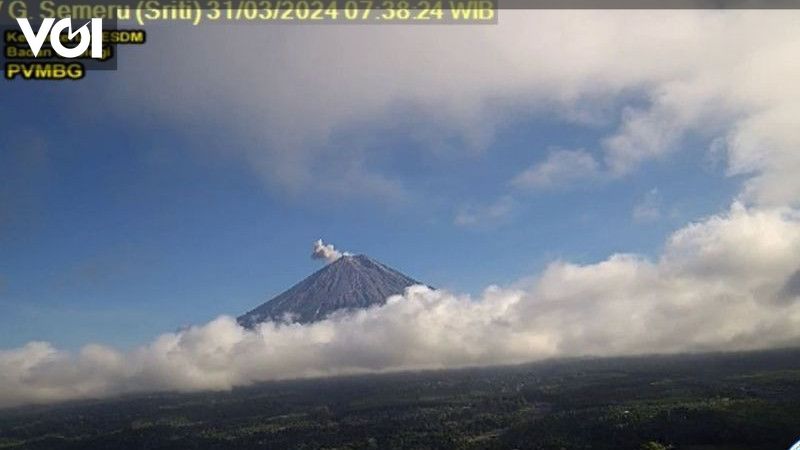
(726, 283)
(325, 251)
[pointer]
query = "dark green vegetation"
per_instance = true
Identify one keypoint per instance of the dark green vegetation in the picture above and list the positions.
(701, 402)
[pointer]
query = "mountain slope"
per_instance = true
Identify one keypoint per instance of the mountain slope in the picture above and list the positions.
(352, 281)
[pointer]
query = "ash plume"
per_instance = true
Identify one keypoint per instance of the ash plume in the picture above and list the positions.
(325, 251)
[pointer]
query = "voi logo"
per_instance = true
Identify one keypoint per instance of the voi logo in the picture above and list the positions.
(93, 37)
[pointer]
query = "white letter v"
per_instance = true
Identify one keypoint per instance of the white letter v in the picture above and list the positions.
(35, 41)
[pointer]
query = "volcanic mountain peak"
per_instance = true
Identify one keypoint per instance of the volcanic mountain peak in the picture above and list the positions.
(350, 282)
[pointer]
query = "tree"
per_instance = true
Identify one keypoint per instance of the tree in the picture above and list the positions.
(652, 445)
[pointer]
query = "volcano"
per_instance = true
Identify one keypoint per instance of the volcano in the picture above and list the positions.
(350, 282)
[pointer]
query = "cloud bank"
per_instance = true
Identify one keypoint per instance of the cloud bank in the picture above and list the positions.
(728, 282)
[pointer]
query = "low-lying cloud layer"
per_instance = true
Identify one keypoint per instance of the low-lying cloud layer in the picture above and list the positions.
(726, 283)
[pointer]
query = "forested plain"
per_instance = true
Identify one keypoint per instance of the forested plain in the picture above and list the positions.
(731, 401)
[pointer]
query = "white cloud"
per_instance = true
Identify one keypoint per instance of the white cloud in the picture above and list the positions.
(649, 208)
(720, 284)
(561, 168)
(673, 72)
(494, 213)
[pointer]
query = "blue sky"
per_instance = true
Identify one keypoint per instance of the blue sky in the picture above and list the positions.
(117, 232)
